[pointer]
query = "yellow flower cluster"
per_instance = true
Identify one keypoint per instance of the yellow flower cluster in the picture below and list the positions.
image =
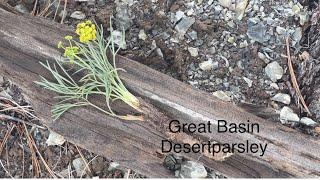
(86, 31)
(69, 51)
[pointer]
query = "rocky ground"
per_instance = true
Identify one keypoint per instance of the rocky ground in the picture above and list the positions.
(234, 49)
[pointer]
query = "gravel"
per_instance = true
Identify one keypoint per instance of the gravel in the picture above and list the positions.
(191, 169)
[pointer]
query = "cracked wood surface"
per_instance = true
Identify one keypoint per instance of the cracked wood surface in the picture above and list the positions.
(24, 41)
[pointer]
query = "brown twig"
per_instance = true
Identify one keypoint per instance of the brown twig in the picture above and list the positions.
(33, 12)
(34, 147)
(35, 162)
(84, 160)
(293, 78)
(6, 117)
(64, 11)
(56, 12)
(5, 138)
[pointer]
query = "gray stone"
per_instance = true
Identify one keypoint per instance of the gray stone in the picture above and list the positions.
(303, 18)
(21, 8)
(263, 57)
(78, 15)
(55, 139)
(283, 98)
(257, 32)
(101, 2)
(118, 38)
(248, 81)
(113, 165)
(280, 30)
(79, 165)
(183, 26)
(225, 3)
(274, 71)
(222, 95)
(193, 35)
(208, 65)
(193, 51)
(287, 115)
(307, 121)
(190, 12)
(190, 169)
(178, 16)
(91, 2)
(297, 35)
(123, 16)
(142, 35)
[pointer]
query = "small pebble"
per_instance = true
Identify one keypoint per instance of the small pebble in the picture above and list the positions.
(193, 51)
(78, 15)
(287, 115)
(283, 98)
(274, 71)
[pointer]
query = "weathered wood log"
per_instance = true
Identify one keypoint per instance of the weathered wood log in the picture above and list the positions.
(24, 41)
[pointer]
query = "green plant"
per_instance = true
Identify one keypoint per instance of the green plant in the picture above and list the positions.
(99, 75)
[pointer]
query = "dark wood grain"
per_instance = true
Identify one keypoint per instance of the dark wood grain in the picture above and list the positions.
(24, 41)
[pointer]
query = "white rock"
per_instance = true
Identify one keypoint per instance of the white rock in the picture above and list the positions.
(78, 15)
(119, 39)
(193, 51)
(192, 169)
(142, 35)
(283, 98)
(287, 114)
(303, 18)
(55, 139)
(263, 57)
(280, 30)
(248, 81)
(296, 9)
(21, 8)
(206, 65)
(113, 165)
(183, 26)
(240, 8)
(190, 12)
(179, 15)
(222, 95)
(225, 3)
(307, 121)
(231, 39)
(79, 165)
(274, 85)
(274, 71)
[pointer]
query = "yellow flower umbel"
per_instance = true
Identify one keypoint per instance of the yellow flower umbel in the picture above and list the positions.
(69, 51)
(86, 31)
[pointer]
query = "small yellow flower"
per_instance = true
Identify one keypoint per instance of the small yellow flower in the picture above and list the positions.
(71, 52)
(86, 31)
(68, 37)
